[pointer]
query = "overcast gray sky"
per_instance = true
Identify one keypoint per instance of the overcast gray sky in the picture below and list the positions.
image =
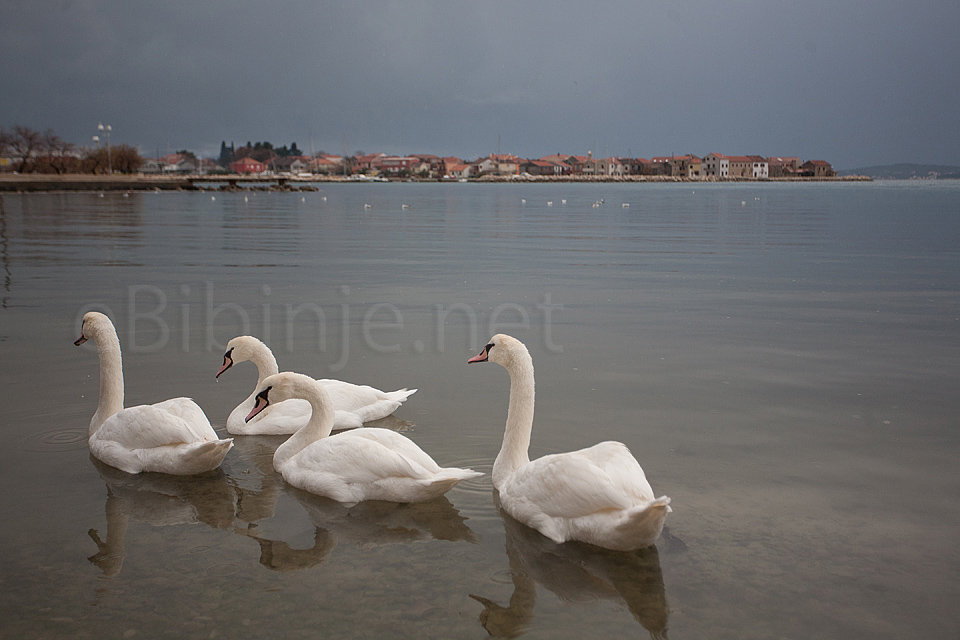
(854, 82)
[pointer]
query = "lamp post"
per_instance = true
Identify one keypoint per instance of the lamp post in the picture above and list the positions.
(105, 128)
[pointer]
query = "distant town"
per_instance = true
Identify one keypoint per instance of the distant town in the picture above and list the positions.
(25, 151)
(247, 160)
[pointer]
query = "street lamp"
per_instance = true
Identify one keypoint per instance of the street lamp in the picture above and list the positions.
(105, 129)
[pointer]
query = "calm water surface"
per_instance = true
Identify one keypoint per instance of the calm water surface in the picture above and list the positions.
(782, 359)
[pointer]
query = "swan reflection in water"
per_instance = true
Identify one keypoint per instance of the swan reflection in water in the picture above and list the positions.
(576, 573)
(245, 491)
(214, 498)
(366, 525)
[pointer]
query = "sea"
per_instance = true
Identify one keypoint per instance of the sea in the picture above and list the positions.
(783, 359)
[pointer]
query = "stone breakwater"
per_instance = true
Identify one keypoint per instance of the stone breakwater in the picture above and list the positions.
(16, 183)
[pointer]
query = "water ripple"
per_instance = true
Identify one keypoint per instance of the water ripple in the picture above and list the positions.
(505, 576)
(68, 439)
(482, 484)
(223, 569)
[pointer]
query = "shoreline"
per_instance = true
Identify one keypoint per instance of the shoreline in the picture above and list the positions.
(30, 183)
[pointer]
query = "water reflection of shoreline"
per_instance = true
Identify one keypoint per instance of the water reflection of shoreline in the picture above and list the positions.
(576, 573)
(5, 256)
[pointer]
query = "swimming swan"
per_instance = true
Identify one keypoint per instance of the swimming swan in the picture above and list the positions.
(173, 436)
(597, 495)
(362, 464)
(353, 404)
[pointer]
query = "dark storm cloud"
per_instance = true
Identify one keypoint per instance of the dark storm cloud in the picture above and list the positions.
(855, 82)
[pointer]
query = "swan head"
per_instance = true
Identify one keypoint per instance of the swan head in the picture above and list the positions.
(505, 350)
(95, 325)
(240, 349)
(285, 386)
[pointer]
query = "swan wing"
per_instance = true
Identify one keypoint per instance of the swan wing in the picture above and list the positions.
(367, 402)
(399, 444)
(348, 397)
(622, 468)
(355, 460)
(566, 485)
(192, 415)
(150, 426)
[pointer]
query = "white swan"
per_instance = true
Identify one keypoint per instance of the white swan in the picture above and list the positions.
(173, 436)
(597, 495)
(353, 404)
(352, 466)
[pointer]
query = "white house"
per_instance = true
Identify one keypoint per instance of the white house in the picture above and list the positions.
(716, 165)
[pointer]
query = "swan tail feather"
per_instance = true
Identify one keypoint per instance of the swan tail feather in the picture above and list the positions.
(383, 407)
(400, 395)
(642, 524)
(459, 474)
(206, 456)
(447, 477)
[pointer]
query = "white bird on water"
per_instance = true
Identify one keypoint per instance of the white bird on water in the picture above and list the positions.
(351, 466)
(597, 495)
(173, 436)
(353, 404)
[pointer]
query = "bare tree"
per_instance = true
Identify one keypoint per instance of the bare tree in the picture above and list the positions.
(94, 160)
(23, 143)
(60, 155)
(126, 159)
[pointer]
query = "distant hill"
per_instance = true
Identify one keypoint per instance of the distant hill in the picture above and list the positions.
(904, 171)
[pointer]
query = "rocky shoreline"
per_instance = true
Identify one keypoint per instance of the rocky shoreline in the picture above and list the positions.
(16, 183)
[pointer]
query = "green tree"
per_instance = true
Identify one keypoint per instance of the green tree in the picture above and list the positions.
(190, 155)
(261, 151)
(227, 154)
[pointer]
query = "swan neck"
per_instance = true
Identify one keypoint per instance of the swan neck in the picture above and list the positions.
(319, 426)
(514, 453)
(266, 363)
(111, 379)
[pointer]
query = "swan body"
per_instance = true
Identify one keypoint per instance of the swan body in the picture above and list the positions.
(173, 436)
(351, 466)
(353, 404)
(597, 495)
